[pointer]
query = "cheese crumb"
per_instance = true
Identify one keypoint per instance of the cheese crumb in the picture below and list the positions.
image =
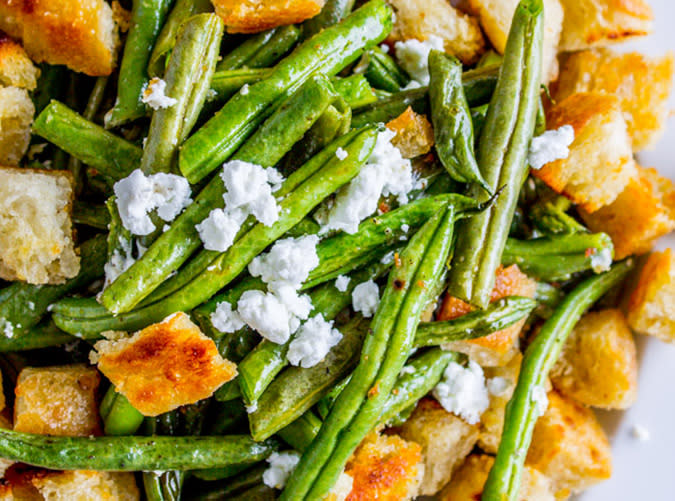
(250, 409)
(120, 261)
(498, 386)
(366, 298)
(249, 187)
(552, 145)
(281, 465)
(463, 391)
(8, 329)
(220, 228)
(264, 312)
(413, 56)
(342, 488)
(407, 369)
(341, 153)
(540, 400)
(154, 95)
(225, 319)
(640, 432)
(288, 262)
(601, 261)
(245, 89)
(388, 258)
(312, 342)
(342, 283)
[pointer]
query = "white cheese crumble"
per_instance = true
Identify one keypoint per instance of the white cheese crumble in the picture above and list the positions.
(640, 432)
(220, 228)
(138, 195)
(341, 153)
(245, 89)
(342, 488)
(540, 400)
(601, 261)
(342, 283)
(154, 95)
(31, 305)
(225, 319)
(498, 386)
(388, 258)
(405, 228)
(366, 298)
(407, 369)
(7, 329)
(264, 312)
(281, 465)
(288, 262)
(250, 409)
(312, 342)
(120, 261)
(463, 391)
(413, 56)
(552, 145)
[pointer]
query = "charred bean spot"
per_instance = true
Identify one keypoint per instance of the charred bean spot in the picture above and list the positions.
(399, 284)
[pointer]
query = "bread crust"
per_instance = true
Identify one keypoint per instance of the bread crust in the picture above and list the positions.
(253, 16)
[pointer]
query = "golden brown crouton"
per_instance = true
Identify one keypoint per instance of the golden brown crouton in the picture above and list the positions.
(16, 68)
(651, 306)
(569, 446)
(37, 237)
(496, 16)
(58, 400)
(78, 33)
(641, 83)
(445, 439)
(468, 482)
(252, 16)
(592, 23)
(164, 366)
(419, 19)
(499, 347)
(414, 134)
(16, 118)
(385, 467)
(5, 424)
(598, 364)
(600, 162)
(640, 215)
(83, 485)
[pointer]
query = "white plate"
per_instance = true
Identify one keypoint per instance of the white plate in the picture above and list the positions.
(646, 470)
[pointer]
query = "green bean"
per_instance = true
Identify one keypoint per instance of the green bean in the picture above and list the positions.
(94, 216)
(478, 117)
(355, 90)
(228, 417)
(50, 85)
(163, 486)
(262, 50)
(42, 335)
(503, 482)
(118, 415)
(257, 493)
(217, 491)
(453, 127)
(188, 76)
(224, 472)
(489, 58)
(325, 403)
(551, 218)
(111, 155)
(382, 71)
(325, 53)
(332, 13)
(502, 155)
(238, 57)
(548, 295)
(147, 18)
(300, 433)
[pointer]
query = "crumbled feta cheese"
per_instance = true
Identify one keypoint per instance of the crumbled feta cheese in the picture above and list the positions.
(8, 329)
(388, 258)
(640, 432)
(550, 146)
(405, 228)
(413, 56)
(498, 386)
(225, 319)
(540, 400)
(211, 94)
(245, 89)
(250, 409)
(384, 48)
(281, 466)
(341, 153)
(297, 305)
(248, 188)
(463, 391)
(219, 229)
(312, 342)
(31, 305)
(601, 261)
(407, 369)
(342, 282)
(265, 313)
(120, 261)
(289, 261)
(366, 298)
(154, 95)
(138, 195)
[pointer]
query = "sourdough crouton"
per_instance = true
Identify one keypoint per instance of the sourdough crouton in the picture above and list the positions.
(569, 446)
(83, 485)
(5, 424)
(600, 162)
(496, 16)
(16, 68)
(499, 347)
(641, 83)
(598, 364)
(419, 19)
(164, 366)
(640, 215)
(78, 33)
(592, 23)
(651, 306)
(59, 400)
(385, 467)
(37, 236)
(445, 439)
(16, 118)
(414, 134)
(252, 16)
(468, 482)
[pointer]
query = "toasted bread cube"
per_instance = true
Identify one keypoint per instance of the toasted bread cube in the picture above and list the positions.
(252, 16)
(385, 467)
(5, 424)
(600, 162)
(651, 306)
(419, 19)
(80, 34)
(598, 364)
(640, 215)
(496, 17)
(37, 236)
(16, 68)
(569, 446)
(414, 134)
(594, 23)
(16, 118)
(164, 366)
(468, 482)
(498, 348)
(59, 400)
(445, 439)
(81, 485)
(641, 83)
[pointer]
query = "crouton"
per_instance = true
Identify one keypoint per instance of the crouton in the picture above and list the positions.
(5, 424)
(419, 19)
(59, 400)
(414, 134)
(252, 16)
(600, 162)
(642, 84)
(469, 480)
(593, 23)
(82, 485)
(499, 347)
(37, 236)
(164, 366)
(651, 305)
(16, 118)
(569, 446)
(80, 34)
(385, 467)
(598, 364)
(16, 68)
(496, 17)
(445, 439)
